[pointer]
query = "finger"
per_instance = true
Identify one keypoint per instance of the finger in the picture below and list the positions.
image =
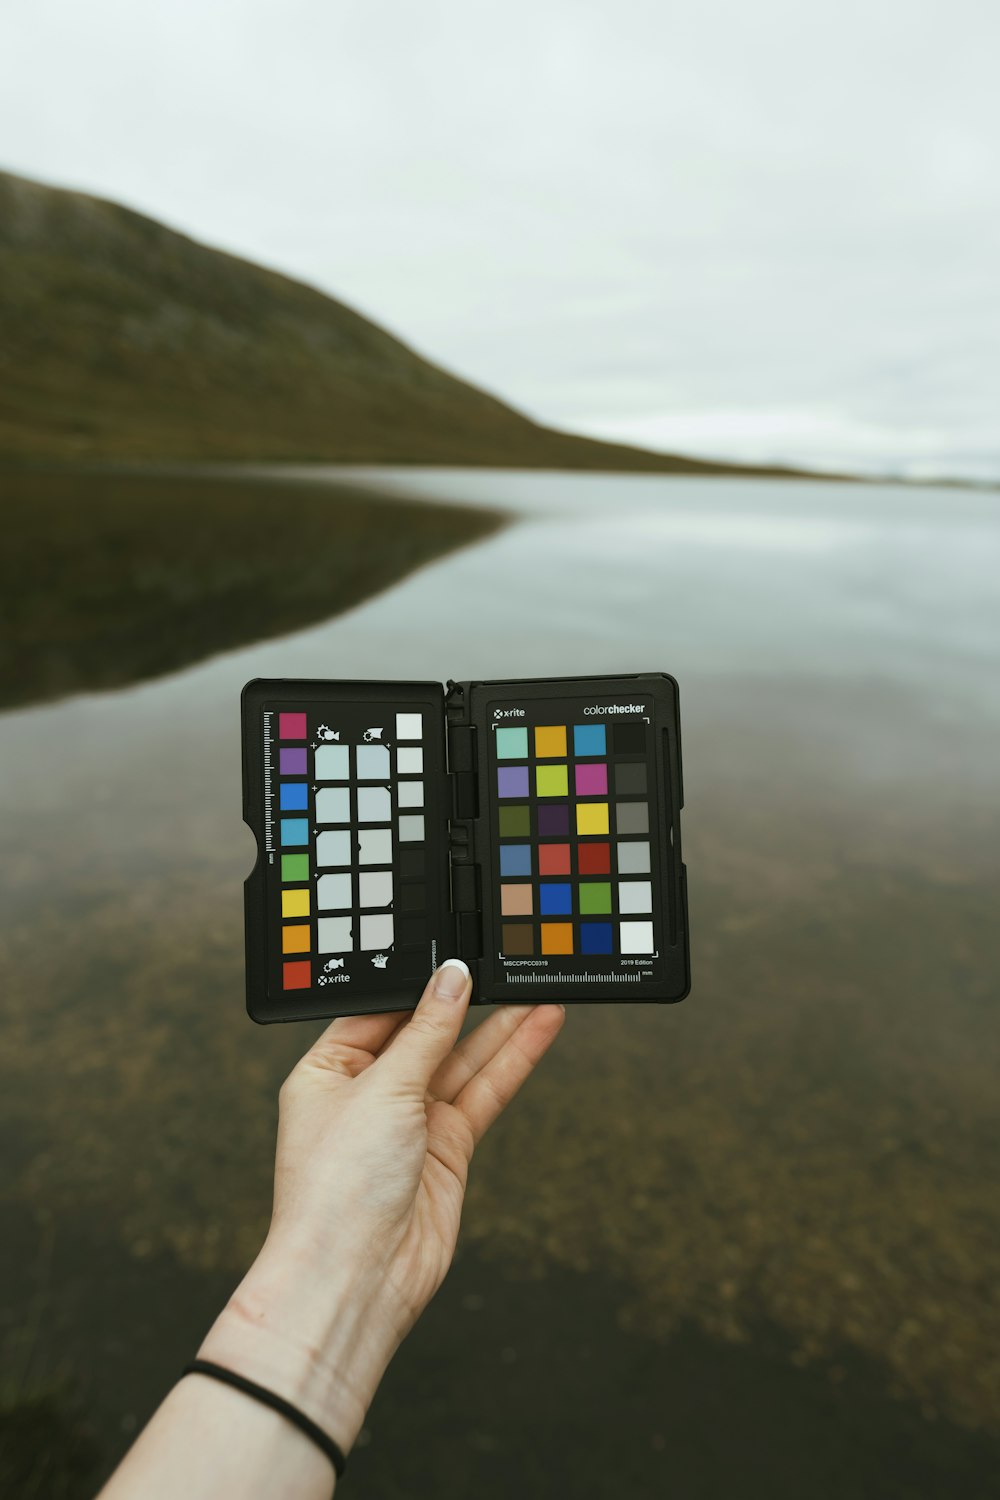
(449, 1140)
(475, 1050)
(351, 1043)
(486, 1095)
(402, 1017)
(431, 1032)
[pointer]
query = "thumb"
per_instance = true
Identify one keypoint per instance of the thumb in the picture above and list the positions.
(419, 1047)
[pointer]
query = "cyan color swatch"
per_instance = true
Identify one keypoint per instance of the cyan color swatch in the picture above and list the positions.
(589, 739)
(294, 831)
(512, 744)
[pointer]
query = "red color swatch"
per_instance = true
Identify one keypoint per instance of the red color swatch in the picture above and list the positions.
(297, 975)
(594, 859)
(291, 727)
(553, 859)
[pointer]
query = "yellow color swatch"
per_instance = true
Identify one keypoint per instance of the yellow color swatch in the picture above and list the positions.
(295, 903)
(591, 817)
(295, 939)
(557, 937)
(551, 781)
(550, 740)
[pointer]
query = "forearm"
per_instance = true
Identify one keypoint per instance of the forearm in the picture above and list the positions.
(377, 1125)
(207, 1441)
(318, 1338)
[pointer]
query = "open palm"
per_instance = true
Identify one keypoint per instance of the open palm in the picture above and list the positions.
(378, 1125)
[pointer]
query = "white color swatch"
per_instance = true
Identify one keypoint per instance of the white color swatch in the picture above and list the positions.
(636, 937)
(332, 763)
(333, 805)
(409, 726)
(333, 934)
(333, 849)
(333, 893)
(376, 846)
(376, 932)
(374, 804)
(373, 763)
(635, 895)
(375, 888)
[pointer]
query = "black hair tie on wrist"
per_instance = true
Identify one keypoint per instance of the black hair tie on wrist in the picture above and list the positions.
(277, 1403)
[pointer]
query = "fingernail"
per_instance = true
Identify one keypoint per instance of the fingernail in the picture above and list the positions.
(451, 979)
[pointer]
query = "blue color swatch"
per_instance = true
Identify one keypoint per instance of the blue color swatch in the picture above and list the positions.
(595, 937)
(515, 859)
(293, 796)
(554, 900)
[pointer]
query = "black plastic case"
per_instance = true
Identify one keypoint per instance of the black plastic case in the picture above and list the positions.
(460, 886)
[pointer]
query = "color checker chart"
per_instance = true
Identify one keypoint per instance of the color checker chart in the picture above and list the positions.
(348, 895)
(529, 826)
(575, 819)
(340, 835)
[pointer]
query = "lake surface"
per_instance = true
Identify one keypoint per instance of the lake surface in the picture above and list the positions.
(770, 1212)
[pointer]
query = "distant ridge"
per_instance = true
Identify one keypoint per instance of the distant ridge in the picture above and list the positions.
(121, 339)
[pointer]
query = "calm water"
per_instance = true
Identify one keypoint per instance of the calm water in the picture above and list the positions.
(774, 1207)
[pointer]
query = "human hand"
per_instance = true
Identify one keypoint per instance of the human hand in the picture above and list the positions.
(377, 1126)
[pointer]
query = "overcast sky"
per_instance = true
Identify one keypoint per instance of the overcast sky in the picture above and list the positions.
(756, 228)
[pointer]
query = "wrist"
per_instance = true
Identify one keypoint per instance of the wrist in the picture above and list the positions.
(318, 1336)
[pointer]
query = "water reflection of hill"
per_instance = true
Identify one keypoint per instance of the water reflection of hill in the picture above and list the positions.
(110, 578)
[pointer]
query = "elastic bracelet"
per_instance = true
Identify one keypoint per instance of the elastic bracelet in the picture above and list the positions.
(277, 1403)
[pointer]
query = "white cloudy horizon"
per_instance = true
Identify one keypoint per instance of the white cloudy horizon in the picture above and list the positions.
(762, 233)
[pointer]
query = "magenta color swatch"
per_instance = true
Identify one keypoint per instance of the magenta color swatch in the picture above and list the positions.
(292, 762)
(512, 781)
(292, 726)
(592, 781)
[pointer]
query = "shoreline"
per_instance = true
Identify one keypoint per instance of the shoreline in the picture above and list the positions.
(327, 470)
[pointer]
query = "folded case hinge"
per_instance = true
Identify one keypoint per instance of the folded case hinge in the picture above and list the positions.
(466, 885)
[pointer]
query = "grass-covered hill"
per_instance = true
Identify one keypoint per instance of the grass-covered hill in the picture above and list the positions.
(121, 339)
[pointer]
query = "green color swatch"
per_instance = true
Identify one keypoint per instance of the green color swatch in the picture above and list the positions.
(595, 897)
(515, 822)
(551, 781)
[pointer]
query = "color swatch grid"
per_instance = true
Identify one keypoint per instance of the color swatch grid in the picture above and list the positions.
(574, 854)
(351, 845)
